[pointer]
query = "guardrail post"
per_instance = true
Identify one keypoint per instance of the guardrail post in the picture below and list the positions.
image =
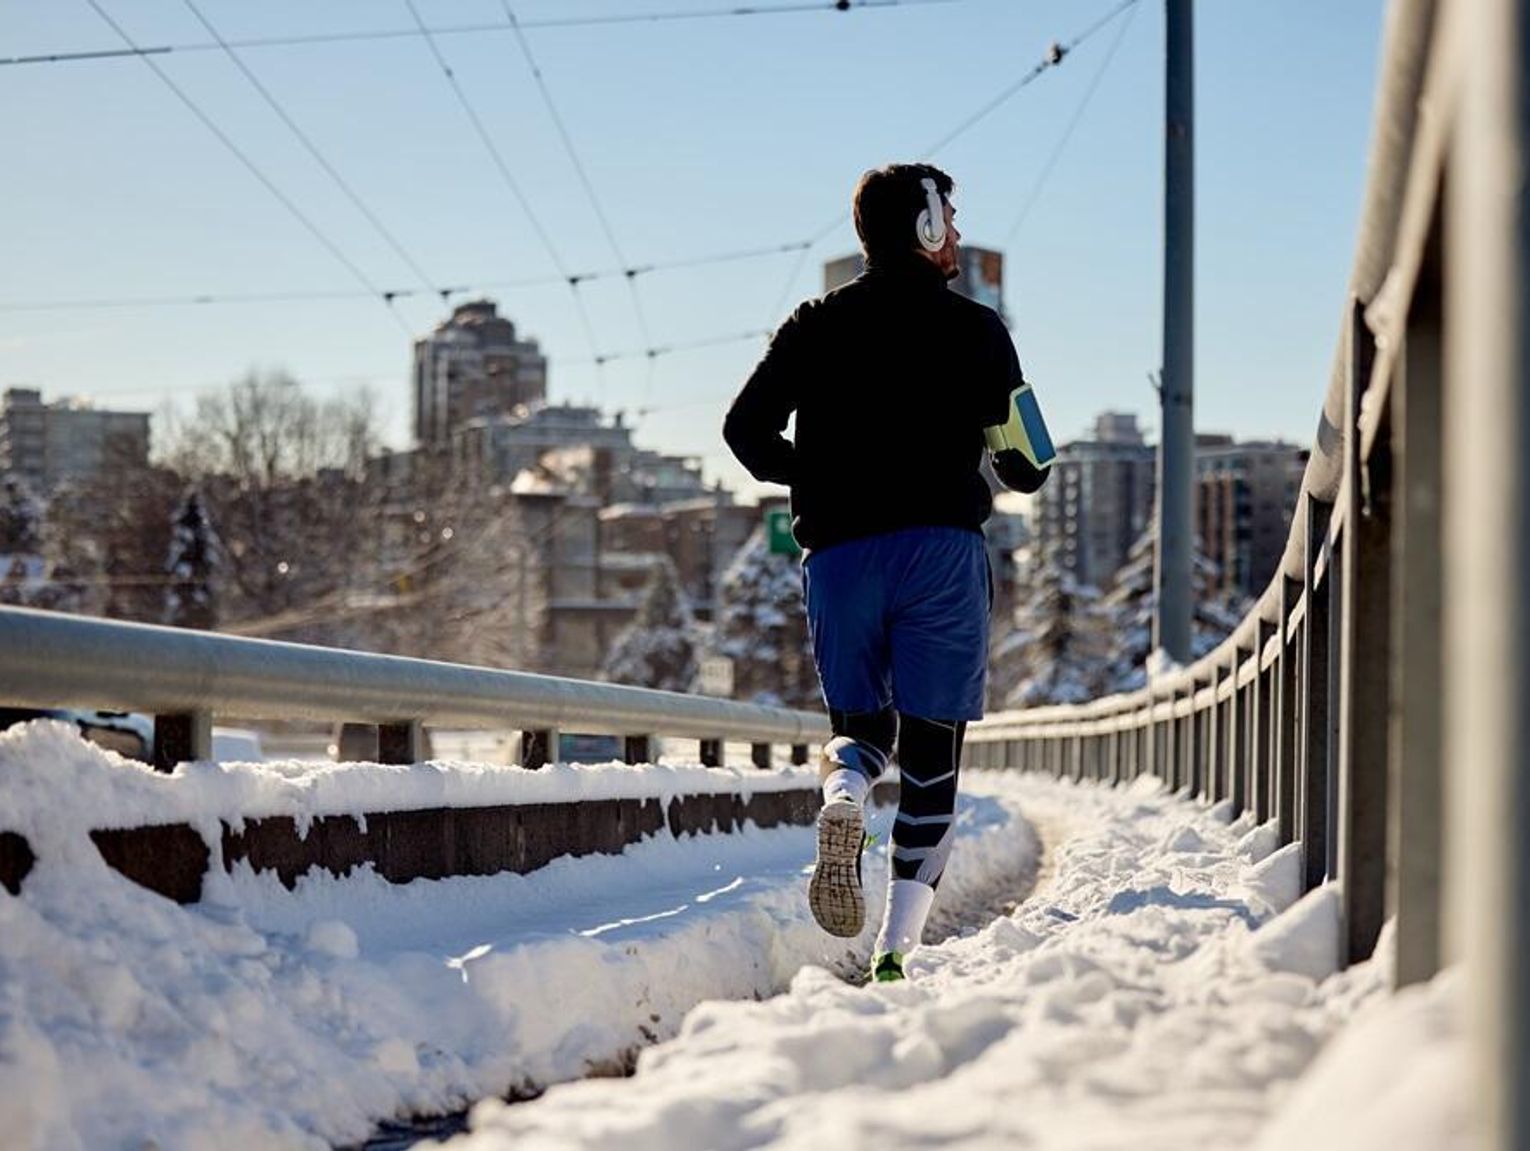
(1195, 780)
(1145, 742)
(1335, 582)
(1286, 712)
(1216, 739)
(182, 738)
(1487, 535)
(1366, 667)
(401, 742)
(1259, 730)
(638, 749)
(1163, 746)
(1180, 733)
(1317, 631)
(1188, 745)
(539, 748)
(1184, 739)
(759, 755)
(711, 752)
(1414, 839)
(1237, 737)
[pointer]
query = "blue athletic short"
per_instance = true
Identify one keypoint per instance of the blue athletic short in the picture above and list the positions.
(902, 618)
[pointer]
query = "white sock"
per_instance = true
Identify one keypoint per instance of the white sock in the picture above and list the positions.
(845, 784)
(908, 905)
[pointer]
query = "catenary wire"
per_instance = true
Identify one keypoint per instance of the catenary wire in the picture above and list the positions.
(508, 178)
(313, 150)
(1067, 135)
(390, 294)
(817, 6)
(1055, 55)
(579, 168)
(212, 126)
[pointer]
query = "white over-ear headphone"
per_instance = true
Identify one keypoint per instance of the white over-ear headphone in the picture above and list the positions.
(931, 224)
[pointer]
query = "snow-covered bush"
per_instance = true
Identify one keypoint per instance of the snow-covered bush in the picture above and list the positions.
(658, 649)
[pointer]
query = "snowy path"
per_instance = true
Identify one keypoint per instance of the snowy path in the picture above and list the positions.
(1159, 990)
(269, 1018)
(1131, 1003)
(966, 907)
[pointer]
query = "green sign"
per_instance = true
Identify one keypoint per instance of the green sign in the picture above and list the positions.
(778, 533)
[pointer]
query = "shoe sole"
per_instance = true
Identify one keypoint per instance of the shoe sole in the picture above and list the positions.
(834, 893)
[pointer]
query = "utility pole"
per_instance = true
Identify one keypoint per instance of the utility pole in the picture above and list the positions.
(1176, 448)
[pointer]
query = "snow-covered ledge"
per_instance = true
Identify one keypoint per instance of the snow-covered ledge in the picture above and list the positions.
(429, 820)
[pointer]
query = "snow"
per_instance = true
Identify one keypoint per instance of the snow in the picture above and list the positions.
(1163, 988)
(263, 1017)
(1161, 992)
(58, 787)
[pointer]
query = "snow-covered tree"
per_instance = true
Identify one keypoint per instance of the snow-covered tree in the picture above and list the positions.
(762, 628)
(191, 600)
(658, 649)
(1131, 600)
(1055, 646)
(22, 567)
(22, 516)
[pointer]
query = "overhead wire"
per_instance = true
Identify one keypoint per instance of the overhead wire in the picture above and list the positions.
(508, 178)
(458, 288)
(313, 150)
(1072, 126)
(685, 346)
(1054, 57)
(223, 137)
(584, 178)
(468, 29)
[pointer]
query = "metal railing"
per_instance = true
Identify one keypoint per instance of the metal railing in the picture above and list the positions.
(186, 678)
(1375, 703)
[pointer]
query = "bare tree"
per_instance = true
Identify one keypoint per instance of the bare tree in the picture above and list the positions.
(283, 475)
(109, 532)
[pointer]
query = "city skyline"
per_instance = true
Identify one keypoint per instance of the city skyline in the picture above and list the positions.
(695, 146)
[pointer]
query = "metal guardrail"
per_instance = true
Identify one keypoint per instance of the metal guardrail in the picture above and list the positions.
(185, 678)
(1375, 703)
(1291, 717)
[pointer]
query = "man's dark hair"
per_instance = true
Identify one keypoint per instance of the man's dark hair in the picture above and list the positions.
(887, 206)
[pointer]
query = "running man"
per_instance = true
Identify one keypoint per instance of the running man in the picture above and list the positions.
(897, 385)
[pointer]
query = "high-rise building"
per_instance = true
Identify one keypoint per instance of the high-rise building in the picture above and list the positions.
(1097, 501)
(981, 279)
(48, 444)
(473, 366)
(1100, 496)
(1245, 496)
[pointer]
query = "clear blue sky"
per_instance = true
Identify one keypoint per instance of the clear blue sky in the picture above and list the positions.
(699, 137)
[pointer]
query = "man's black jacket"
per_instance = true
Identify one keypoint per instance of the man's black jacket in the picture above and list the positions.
(893, 378)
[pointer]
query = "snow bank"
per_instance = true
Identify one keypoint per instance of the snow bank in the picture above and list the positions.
(1162, 991)
(262, 1017)
(1396, 1080)
(56, 783)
